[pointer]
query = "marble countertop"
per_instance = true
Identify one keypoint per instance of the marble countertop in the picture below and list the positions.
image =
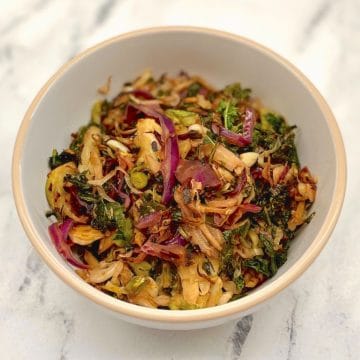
(318, 317)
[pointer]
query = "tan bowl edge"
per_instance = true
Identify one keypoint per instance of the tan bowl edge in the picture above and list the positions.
(185, 316)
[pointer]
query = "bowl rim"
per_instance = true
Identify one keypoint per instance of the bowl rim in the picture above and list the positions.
(199, 315)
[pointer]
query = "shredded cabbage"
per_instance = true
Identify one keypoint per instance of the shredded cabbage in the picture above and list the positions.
(177, 195)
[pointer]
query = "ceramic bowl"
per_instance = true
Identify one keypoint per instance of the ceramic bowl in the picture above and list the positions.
(63, 104)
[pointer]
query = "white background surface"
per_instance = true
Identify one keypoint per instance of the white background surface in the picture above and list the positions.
(318, 317)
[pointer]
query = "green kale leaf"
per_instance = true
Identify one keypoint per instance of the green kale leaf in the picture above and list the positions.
(237, 92)
(193, 89)
(259, 264)
(273, 122)
(110, 216)
(57, 159)
(78, 139)
(287, 151)
(229, 264)
(84, 189)
(229, 112)
(239, 282)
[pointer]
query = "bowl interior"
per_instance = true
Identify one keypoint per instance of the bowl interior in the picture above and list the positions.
(219, 59)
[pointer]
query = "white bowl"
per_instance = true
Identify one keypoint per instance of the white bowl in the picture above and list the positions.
(63, 104)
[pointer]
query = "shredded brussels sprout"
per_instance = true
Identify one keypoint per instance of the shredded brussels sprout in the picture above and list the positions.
(177, 195)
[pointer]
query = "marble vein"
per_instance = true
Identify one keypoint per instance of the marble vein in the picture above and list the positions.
(104, 11)
(34, 268)
(240, 334)
(18, 20)
(318, 17)
(69, 328)
(291, 326)
(312, 26)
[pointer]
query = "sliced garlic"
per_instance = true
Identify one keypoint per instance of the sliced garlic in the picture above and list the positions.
(117, 145)
(249, 158)
(198, 128)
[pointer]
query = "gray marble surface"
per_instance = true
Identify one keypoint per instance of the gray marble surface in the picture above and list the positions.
(318, 317)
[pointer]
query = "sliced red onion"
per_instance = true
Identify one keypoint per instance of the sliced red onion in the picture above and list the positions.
(65, 227)
(149, 220)
(243, 139)
(172, 253)
(57, 233)
(176, 240)
(168, 168)
(249, 123)
(156, 113)
(229, 136)
(194, 169)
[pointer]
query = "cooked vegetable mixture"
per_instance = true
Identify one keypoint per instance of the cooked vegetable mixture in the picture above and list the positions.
(178, 196)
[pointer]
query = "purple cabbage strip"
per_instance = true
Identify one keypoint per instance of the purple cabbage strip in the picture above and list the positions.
(169, 139)
(59, 234)
(176, 240)
(243, 139)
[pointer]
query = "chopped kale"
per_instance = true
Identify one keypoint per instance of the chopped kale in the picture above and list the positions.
(228, 263)
(56, 159)
(229, 113)
(193, 89)
(84, 189)
(264, 139)
(286, 152)
(276, 258)
(275, 202)
(255, 243)
(239, 282)
(78, 138)
(231, 235)
(267, 244)
(124, 233)
(110, 216)
(237, 92)
(274, 122)
(259, 264)
(206, 120)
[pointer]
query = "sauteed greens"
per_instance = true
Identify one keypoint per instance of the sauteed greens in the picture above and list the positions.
(178, 196)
